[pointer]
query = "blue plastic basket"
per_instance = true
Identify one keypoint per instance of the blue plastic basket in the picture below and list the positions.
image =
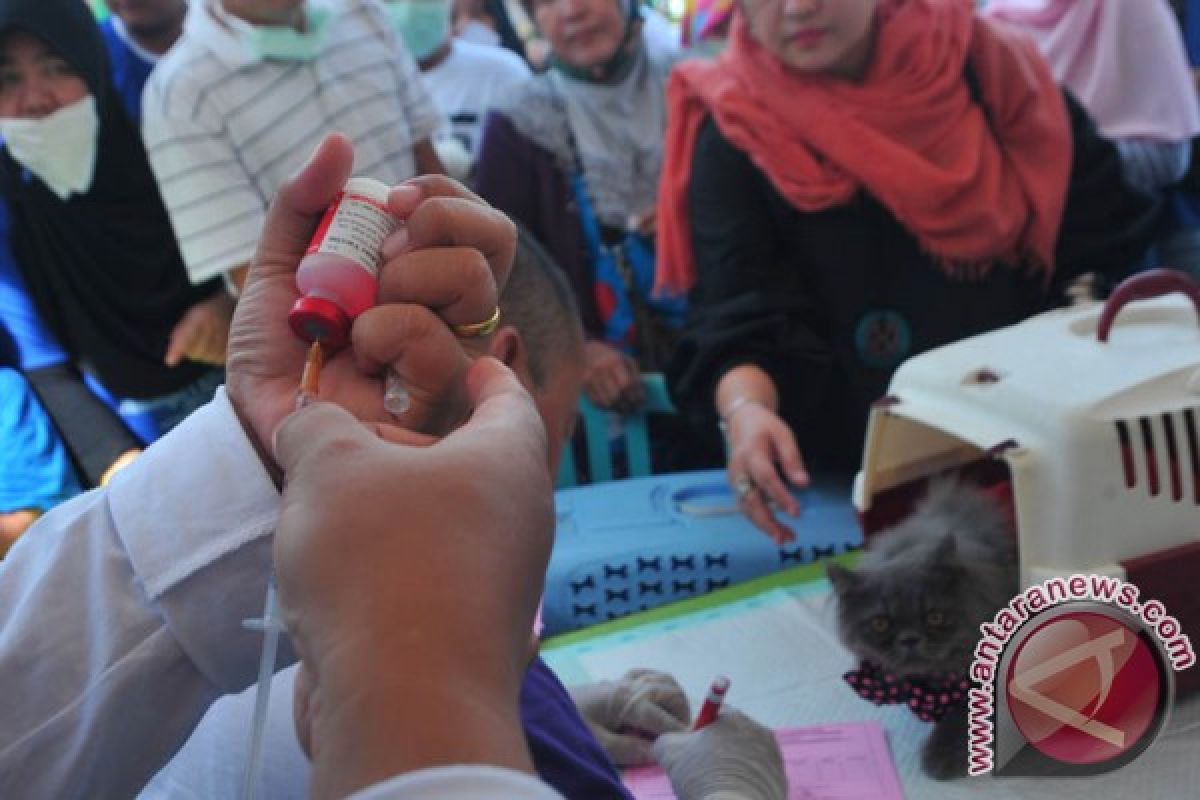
(632, 545)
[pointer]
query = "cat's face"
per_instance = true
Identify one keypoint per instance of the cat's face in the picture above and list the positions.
(908, 611)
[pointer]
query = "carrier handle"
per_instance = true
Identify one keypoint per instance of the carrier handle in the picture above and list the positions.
(1143, 286)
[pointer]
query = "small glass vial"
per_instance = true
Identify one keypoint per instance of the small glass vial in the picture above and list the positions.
(339, 273)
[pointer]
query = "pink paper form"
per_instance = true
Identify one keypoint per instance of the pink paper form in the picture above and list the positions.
(846, 761)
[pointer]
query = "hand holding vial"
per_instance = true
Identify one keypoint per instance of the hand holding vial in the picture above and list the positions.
(442, 268)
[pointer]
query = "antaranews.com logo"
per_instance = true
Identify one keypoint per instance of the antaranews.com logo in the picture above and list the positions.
(1083, 688)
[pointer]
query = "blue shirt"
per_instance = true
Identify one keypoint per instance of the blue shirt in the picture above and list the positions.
(129, 70)
(1191, 30)
(35, 473)
(35, 344)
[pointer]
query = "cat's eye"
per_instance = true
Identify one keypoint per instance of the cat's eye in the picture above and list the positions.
(880, 624)
(935, 618)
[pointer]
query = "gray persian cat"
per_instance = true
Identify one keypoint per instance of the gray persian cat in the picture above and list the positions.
(914, 603)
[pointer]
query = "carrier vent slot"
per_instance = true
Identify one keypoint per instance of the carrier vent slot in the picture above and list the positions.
(1193, 452)
(1173, 463)
(1126, 448)
(1148, 452)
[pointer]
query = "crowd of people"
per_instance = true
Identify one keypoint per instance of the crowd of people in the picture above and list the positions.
(774, 208)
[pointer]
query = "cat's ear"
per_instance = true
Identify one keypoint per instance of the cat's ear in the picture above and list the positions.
(843, 579)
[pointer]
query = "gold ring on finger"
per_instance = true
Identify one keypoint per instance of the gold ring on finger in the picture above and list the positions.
(477, 330)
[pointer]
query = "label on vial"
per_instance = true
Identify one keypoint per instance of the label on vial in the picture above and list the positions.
(354, 227)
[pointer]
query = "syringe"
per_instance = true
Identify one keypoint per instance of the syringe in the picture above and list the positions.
(271, 624)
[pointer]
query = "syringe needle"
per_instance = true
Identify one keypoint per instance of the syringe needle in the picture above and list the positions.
(310, 379)
(271, 625)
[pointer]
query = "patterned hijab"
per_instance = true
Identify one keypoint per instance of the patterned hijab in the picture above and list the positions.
(615, 119)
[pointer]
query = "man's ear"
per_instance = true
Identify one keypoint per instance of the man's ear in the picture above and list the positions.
(509, 349)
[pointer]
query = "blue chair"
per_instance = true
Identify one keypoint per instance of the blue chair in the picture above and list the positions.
(635, 436)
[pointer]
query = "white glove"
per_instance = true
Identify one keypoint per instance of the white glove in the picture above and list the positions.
(734, 758)
(626, 715)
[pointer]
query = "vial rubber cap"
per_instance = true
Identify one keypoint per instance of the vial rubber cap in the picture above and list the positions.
(317, 319)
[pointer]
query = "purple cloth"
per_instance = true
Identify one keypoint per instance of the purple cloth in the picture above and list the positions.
(565, 753)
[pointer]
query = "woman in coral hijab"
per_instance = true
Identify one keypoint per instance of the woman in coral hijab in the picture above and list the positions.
(854, 182)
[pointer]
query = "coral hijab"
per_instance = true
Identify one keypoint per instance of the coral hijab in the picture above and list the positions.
(973, 186)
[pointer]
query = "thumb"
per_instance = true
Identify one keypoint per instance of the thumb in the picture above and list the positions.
(669, 746)
(649, 716)
(502, 408)
(661, 691)
(302, 710)
(296, 209)
(322, 433)
(488, 380)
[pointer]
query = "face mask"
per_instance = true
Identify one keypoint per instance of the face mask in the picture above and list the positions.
(284, 43)
(423, 25)
(60, 149)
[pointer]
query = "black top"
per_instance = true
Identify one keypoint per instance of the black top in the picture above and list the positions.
(829, 303)
(103, 267)
(527, 182)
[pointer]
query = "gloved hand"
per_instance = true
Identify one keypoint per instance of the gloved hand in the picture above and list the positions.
(734, 758)
(625, 715)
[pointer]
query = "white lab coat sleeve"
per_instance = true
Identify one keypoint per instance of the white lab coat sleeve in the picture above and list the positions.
(121, 612)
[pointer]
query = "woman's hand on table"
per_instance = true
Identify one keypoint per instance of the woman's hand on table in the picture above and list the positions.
(764, 462)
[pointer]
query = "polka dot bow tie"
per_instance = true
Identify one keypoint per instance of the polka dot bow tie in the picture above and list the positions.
(930, 696)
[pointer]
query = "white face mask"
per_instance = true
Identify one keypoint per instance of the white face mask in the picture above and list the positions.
(423, 25)
(282, 43)
(60, 148)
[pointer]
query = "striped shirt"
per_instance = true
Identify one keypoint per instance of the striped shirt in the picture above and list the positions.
(225, 128)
